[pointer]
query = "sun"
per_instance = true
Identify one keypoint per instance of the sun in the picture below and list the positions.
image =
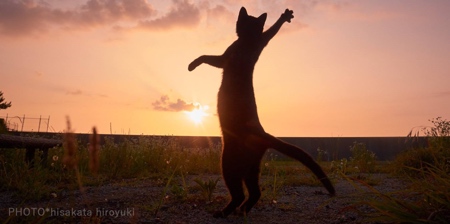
(198, 114)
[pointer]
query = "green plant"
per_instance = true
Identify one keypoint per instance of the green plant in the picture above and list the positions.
(321, 155)
(276, 171)
(32, 183)
(427, 201)
(362, 158)
(164, 193)
(427, 169)
(180, 190)
(339, 167)
(435, 153)
(207, 187)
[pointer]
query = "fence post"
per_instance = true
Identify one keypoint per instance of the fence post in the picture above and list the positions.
(39, 125)
(23, 122)
(48, 122)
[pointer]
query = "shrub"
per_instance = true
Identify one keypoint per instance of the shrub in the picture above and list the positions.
(362, 158)
(3, 128)
(428, 171)
(435, 154)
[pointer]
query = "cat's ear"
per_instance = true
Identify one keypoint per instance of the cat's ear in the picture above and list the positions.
(242, 13)
(262, 18)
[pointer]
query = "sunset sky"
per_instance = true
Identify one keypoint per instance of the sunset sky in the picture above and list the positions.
(341, 68)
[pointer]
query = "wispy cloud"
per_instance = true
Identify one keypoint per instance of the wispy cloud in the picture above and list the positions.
(164, 104)
(181, 14)
(78, 92)
(107, 12)
(74, 92)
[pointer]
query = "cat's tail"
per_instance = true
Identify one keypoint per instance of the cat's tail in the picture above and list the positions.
(300, 155)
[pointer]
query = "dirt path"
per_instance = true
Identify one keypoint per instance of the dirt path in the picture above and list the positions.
(137, 201)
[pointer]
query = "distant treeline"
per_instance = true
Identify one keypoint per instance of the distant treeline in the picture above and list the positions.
(385, 148)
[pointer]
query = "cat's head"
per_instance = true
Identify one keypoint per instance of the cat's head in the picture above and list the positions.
(249, 26)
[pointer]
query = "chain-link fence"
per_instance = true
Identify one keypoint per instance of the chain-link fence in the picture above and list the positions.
(23, 123)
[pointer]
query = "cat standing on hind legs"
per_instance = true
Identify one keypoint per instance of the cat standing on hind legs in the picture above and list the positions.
(244, 140)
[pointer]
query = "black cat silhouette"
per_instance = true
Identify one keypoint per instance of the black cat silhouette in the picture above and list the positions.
(244, 139)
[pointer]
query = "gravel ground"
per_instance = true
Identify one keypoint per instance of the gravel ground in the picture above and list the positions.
(136, 201)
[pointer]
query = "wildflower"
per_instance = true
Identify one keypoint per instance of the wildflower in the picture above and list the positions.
(55, 158)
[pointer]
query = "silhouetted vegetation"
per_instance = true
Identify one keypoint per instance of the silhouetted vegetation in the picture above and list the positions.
(3, 104)
(424, 170)
(427, 170)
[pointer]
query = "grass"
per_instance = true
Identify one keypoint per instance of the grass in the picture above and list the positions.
(207, 187)
(427, 170)
(140, 158)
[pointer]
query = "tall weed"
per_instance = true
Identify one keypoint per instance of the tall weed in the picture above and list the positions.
(427, 199)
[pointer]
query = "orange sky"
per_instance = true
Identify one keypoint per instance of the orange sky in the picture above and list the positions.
(341, 68)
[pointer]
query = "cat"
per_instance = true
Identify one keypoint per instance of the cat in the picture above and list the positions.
(244, 140)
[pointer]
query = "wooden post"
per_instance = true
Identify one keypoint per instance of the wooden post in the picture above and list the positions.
(39, 125)
(48, 122)
(23, 122)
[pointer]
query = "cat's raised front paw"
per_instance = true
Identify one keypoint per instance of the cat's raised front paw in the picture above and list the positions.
(288, 15)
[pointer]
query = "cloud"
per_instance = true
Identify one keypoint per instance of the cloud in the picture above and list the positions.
(21, 17)
(75, 92)
(25, 17)
(220, 14)
(182, 14)
(164, 104)
(107, 12)
(78, 92)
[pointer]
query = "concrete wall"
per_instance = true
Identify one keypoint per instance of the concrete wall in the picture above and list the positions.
(385, 148)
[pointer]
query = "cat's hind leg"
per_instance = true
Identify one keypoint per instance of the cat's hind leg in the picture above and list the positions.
(254, 192)
(234, 185)
(232, 172)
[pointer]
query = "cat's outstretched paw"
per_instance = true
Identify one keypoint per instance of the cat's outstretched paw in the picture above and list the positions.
(194, 64)
(288, 15)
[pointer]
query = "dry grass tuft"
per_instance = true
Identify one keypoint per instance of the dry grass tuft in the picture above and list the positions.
(94, 151)
(70, 148)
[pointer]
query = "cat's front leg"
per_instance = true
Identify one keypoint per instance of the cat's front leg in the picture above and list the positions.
(195, 63)
(213, 60)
